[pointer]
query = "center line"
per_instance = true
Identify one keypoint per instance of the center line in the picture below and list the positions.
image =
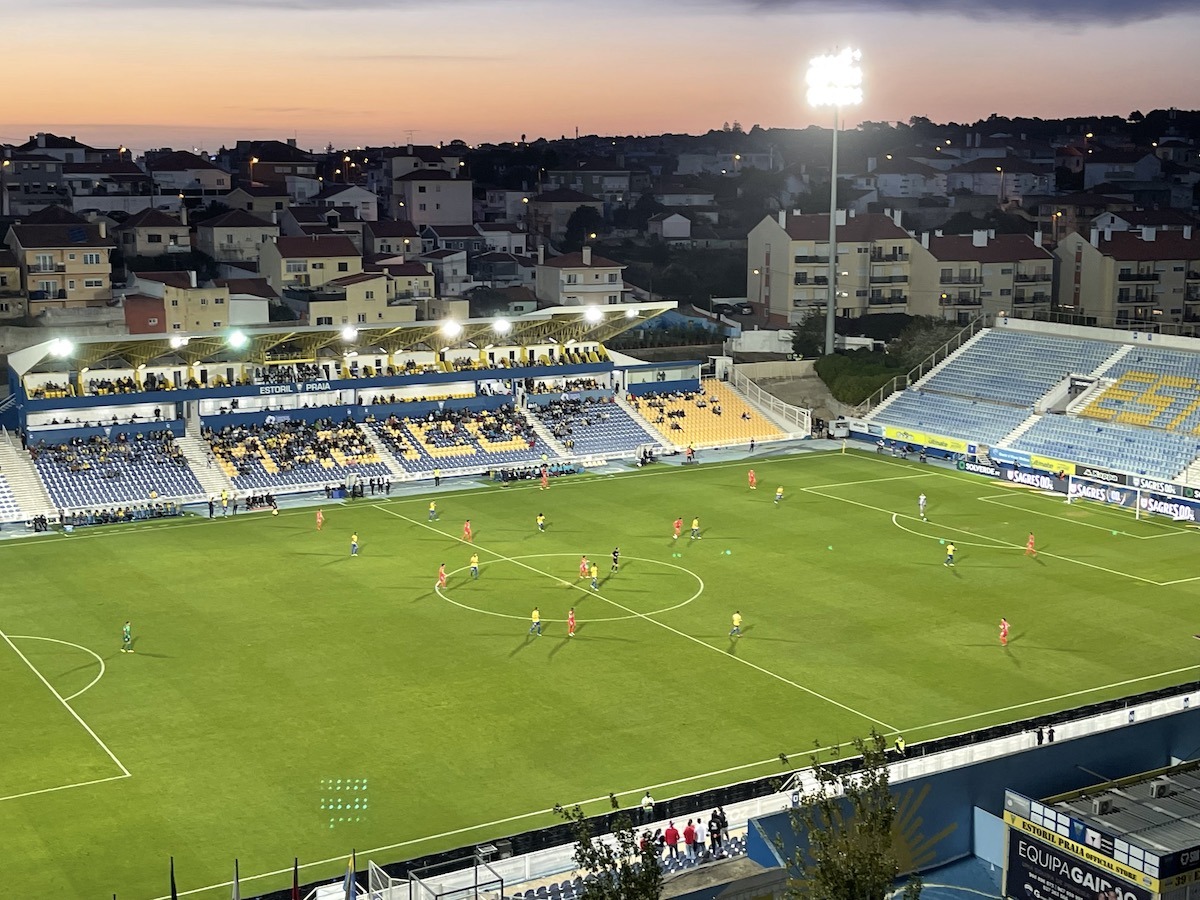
(639, 615)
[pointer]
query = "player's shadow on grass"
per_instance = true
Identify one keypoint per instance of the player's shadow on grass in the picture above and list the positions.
(154, 655)
(525, 642)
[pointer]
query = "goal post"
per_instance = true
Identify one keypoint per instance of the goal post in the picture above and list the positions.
(1093, 490)
(382, 886)
(1145, 498)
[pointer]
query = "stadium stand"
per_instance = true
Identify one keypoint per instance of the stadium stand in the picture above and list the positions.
(454, 438)
(1154, 388)
(9, 510)
(951, 416)
(716, 414)
(1015, 367)
(1142, 451)
(98, 471)
(280, 455)
(590, 425)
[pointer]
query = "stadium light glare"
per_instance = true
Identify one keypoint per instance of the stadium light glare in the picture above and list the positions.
(349, 333)
(238, 340)
(177, 341)
(593, 315)
(631, 313)
(451, 329)
(834, 80)
(61, 347)
(502, 326)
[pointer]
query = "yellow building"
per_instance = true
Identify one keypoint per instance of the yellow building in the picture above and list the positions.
(959, 276)
(187, 305)
(235, 236)
(1125, 278)
(308, 261)
(63, 265)
(788, 258)
(152, 232)
(355, 300)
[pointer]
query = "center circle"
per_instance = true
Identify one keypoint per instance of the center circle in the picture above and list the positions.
(518, 559)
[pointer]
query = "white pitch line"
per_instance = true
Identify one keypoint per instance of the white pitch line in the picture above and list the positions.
(934, 537)
(64, 787)
(663, 625)
(96, 656)
(813, 487)
(1001, 544)
(66, 705)
(995, 500)
(1056, 698)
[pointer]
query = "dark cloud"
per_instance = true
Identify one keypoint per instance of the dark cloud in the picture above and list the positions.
(1075, 12)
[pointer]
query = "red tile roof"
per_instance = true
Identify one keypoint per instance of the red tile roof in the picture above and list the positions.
(355, 279)
(260, 190)
(172, 279)
(1010, 164)
(563, 195)
(441, 254)
(1002, 248)
(53, 215)
(405, 269)
(1129, 246)
(7, 259)
(276, 152)
(236, 218)
(426, 175)
(501, 226)
(858, 229)
(53, 237)
(1155, 217)
(150, 218)
(391, 228)
(575, 261)
(180, 161)
(317, 246)
(53, 142)
(103, 168)
(902, 165)
(257, 287)
(455, 231)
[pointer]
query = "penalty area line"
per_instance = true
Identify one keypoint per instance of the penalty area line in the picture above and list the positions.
(65, 787)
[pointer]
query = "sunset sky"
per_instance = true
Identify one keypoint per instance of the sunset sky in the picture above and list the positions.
(205, 72)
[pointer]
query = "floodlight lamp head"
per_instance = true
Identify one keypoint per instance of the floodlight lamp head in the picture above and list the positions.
(593, 315)
(835, 80)
(451, 329)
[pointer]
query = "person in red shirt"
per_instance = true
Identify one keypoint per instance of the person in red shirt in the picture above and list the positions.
(442, 575)
(571, 623)
(583, 567)
(753, 480)
(467, 532)
(671, 839)
(1003, 632)
(678, 527)
(689, 837)
(545, 478)
(1029, 549)
(320, 519)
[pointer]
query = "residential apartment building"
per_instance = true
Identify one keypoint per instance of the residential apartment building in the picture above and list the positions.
(550, 211)
(611, 185)
(186, 305)
(1102, 166)
(152, 232)
(433, 197)
(29, 181)
(960, 276)
(308, 262)
(387, 237)
(12, 298)
(63, 265)
(112, 186)
(181, 171)
(788, 259)
(235, 236)
(1131, 277)
(62, 149)
(895, 177)
(360, 299)
(264, 201)
(579, 279)
(1005, 178)
(453, 237)
(340, 196)
(275, 164)
(450, 272)
(504, 237)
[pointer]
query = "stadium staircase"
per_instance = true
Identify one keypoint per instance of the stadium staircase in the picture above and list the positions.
(384, 452)
(545, 435)
(652, 435)
(1019, 430)
(200, 459)
(23, 481)
(1122, 351)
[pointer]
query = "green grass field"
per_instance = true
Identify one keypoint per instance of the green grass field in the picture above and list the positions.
(269, 664)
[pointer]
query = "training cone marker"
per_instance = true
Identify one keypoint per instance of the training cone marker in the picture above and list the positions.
(943, 543)
(829, 548)
(1114, 534)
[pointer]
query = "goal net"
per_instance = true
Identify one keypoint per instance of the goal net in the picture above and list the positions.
(1137, 500)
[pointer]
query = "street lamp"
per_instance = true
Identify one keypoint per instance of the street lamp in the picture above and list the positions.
(834, 81)
(4, 164)
(1000, 191)
(253, 160)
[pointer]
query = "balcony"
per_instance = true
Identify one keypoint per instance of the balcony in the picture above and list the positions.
(1137, 276)
(960, 301)
(895, 300)
(1032, 276)
(889, 279)
(1029, 299)
(1135, 298)
(961, 278)
(47, 268)
(889, 257)
(1193, 275)
(412, 295)
(812, 260)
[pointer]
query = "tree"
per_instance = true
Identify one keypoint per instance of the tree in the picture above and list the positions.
(849, 821)
(584, 221)
(626, 866)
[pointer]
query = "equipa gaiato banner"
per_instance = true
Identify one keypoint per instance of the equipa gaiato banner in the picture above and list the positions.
(1037, 871)
(924, 439)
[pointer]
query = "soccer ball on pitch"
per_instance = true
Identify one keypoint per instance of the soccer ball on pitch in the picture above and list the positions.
(274, 512)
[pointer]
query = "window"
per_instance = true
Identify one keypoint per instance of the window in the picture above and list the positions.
(3, 281)
(437, 206)
(93, 282)
(216, 324)
(421, 207)
(612, 277)
(176, 327)
(204, 301)
(91, 259)
(175, 302)
(219, 301)
(153, 320)
(420, 188)
(318, 265)
(614, 298)
(279, 204)
(297, 265)
(343, 267)
(324, 320)
(154, 239)
(1006, 271)
(71, 284)
(572, 278)
(1005, 292)
(220, 182)
(370, 295)
(362, 317)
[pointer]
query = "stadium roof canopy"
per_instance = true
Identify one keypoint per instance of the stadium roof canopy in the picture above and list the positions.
(556, 325)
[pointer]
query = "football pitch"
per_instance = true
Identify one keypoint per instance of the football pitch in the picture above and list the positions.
(286, 699)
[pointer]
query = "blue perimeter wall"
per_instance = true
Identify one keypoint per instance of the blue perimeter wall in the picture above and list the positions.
(953, 814)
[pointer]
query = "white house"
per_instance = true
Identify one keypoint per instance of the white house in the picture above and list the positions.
(670, 226)
(579, 279)
(365, 203)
